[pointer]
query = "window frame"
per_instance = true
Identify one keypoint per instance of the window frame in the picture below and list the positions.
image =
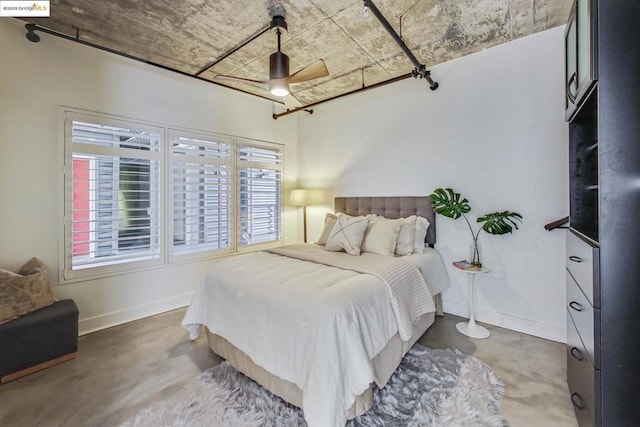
(206, 253)
(166, 256)
(68, 273)
(280, 168)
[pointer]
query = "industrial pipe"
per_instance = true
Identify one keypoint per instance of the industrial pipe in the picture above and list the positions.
(421, 70)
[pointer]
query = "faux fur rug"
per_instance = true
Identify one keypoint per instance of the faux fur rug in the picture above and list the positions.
(429, 388)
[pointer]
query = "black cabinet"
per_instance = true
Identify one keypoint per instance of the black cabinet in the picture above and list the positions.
(603, 246)
(581, 377)
(583, 169)
(583, 322)
(581, 54)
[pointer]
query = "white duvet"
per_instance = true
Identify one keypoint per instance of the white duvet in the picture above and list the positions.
(311, 324)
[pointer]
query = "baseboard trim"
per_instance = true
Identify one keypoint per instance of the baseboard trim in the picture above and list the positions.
(115, 318)
(530, 327)
(527, 326)
(39, 367)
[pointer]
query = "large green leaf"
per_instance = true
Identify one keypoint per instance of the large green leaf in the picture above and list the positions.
(448, 203)
(500, 222)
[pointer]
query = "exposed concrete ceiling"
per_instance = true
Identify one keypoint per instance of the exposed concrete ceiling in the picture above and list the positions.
(186, 35)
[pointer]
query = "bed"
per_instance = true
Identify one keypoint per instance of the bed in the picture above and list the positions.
(320, 329)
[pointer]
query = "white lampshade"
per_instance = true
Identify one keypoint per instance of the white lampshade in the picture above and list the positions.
(306, 197)
(299, 197)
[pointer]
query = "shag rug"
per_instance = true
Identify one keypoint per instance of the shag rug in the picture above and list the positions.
(429, 388)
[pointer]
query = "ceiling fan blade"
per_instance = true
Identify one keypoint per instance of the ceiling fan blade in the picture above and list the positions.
(264, 85)
(312, 71)
(290, 101)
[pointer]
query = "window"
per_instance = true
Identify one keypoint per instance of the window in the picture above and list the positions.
(260, 170)
(202, 192)
(222, 195)
(114, 216)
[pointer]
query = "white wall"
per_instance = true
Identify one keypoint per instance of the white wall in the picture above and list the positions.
(494, 131)
(35, 79)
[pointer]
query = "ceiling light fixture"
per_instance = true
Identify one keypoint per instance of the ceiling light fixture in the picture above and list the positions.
(279, 89)
(279, 78)
(278, 63)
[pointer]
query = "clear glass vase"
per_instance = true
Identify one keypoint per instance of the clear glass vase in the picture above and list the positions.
(474, 254)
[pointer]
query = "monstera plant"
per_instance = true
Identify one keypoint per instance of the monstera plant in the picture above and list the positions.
(448, 203)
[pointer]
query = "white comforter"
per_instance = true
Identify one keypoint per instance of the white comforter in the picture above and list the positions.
(311, 324)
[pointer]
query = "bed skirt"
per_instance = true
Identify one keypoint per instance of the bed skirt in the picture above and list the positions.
(384, 364)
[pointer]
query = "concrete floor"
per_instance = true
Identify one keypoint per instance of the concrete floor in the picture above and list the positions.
(123, 369)
(534, 371)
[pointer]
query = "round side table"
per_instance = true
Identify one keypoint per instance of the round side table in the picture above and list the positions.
(471, 328)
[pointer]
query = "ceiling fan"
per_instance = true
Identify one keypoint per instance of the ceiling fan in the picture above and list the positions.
(279, 78)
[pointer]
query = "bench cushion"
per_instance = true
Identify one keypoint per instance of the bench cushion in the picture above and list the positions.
(38, 337)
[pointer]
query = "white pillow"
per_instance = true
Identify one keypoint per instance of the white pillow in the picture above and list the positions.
(406, 236)
(422, 225)
(347, 234)
(381, 235)
(329, 223)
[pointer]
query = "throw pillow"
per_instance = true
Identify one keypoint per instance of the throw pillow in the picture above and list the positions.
(422, 225)
(5, 275)
(381, 236)
(23, 294)
(347, 235)
(406, 236)
(329, 223)
(32, 266)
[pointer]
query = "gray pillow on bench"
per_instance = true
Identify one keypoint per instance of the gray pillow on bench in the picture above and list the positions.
(24, 292)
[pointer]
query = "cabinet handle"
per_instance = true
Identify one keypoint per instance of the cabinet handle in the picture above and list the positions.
(578, 403)
(571, 96)
(575, 306)
(575, 258)
(576, 354)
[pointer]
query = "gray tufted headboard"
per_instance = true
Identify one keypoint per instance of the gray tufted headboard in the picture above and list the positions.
(391, 207)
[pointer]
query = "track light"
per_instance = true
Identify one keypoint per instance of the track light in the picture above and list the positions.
(31, 35)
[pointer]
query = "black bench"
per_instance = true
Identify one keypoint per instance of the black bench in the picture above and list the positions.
(38, 340)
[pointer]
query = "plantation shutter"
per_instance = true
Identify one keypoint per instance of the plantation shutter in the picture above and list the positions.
(202, 192)
(113, 181)
(260, 189)
(140, 195)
